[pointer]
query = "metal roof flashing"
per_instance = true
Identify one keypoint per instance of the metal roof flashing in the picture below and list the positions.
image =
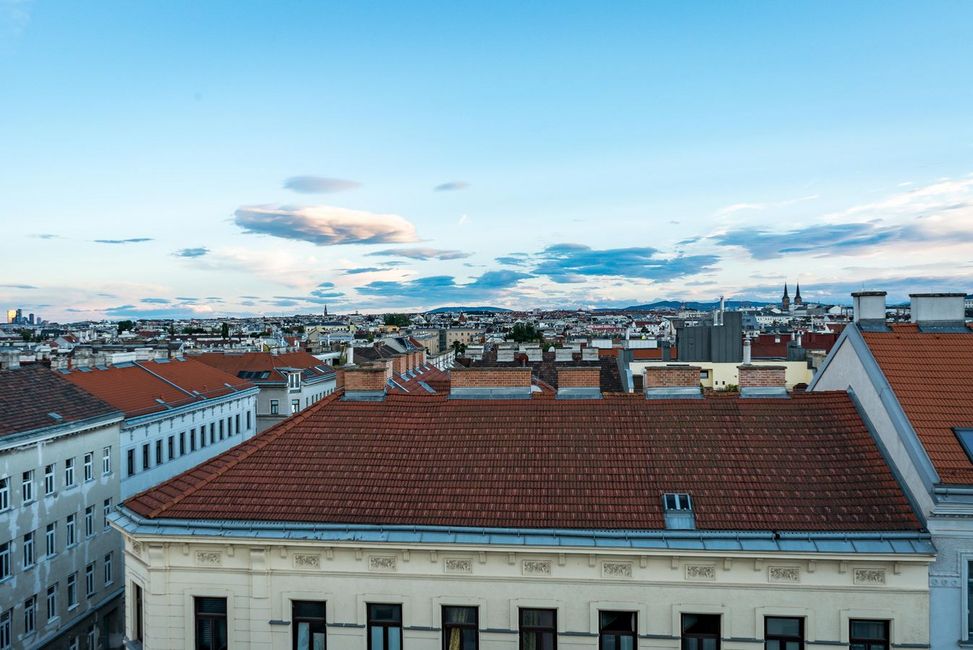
(673, 392)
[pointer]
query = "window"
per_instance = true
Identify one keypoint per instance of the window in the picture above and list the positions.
(130, 459)
(109, 577)
(6, 633)
(295, 405)
(69, 473)
(783, 633)
(274, 407)
(106, 460)
(49, 480)
(74, 644)
(182, 443)
(89, 521)
(137, 612)
(91, 637)
(89, 580)
(72, 590)
(677, 501)
(210, 623)
(159, 459)
(460, 628)
(30, 615)
(71, 531)
(29, 550)
(27, 486)
(678, 511)
(4, 493)
(50, 539)
(89, 471)
(248, 420)
(868, 635)
(4, 560)
(192, 440)
(617, 630)
(212, 432)
(106, 510)
(384, 627)
(538, 629)
(307, 619)
(221, 429)
(171, 447)
(700, 632)
(146, 463)
(52, 602)
(237, 420)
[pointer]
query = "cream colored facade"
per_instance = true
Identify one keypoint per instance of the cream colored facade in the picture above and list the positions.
(260, 578)
(719, 376)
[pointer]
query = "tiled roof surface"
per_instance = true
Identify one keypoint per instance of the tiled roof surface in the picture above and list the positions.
(932, 377)
(426, 375)
(136, 388)
(252, 362)
(29, 394)
(803, 464)
(774, 346)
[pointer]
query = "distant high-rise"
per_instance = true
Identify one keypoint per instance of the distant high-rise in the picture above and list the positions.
(11, 315)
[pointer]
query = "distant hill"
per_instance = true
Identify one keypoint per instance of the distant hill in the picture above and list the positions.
(690, 304)
(468, 310)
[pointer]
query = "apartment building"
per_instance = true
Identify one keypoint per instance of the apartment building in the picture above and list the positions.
(494, 516)
(178, 413)
(61, 576)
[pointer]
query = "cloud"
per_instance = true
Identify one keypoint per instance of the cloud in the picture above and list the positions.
(451, 186)
(568, 263)
(437, 288)
(19, 286)
(363, 269)
(156, 301)
(46, 235)
(133, 240)
(512, 260)
(319, 184)
(325, 225)
(191, 252)
(898, 288)
(422, 253)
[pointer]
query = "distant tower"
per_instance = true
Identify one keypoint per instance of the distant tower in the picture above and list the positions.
(785, 301)
(325, 310)
(797, 296)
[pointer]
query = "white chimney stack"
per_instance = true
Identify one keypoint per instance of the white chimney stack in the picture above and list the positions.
(746, 351)
(938, 309)
(869, 307)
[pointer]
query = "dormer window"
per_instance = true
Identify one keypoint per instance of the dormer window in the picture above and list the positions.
(965, 437)
(672, 501)
(294, 380)
(678, 511)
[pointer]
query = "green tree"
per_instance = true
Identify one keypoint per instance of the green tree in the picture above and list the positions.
(225, 330)
(523, 332)
(459, 348)
(125, 326)
(397, 320)
(26, 335)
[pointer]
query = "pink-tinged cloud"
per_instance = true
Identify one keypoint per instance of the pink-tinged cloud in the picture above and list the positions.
(325, 225)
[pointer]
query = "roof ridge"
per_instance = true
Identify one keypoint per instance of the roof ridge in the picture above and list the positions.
(257, 443)
(158, 376)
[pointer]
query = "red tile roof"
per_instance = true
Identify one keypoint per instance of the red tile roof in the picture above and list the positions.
(30, 394)
(932, 377)
(136, 388)
(806, 464)
(235, 363)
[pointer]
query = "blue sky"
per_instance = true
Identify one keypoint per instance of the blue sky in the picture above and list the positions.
(234, 158)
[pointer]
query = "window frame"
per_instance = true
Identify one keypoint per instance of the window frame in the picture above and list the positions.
(30, 550)
(4, 493)
(312, 621)
(475, 626)
(50, 540)
(384, 624)
(783, 639)
(52, 602)
(72, 590)
(50, 485)
(27, 492)
(88, 465)
(71, 530)
(130, 462)
(683, 638)
(870, 643)
(106, 461)
(6, 629)
(6, 562)
(523, 630)
(275, 407)
(138, 612)
(69, 477)
(634, 634)
(213, 619)
(30, 615)
(89, 580)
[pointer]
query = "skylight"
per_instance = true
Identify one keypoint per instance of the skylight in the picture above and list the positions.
(966, 439)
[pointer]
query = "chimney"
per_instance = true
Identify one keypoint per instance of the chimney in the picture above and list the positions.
(939, 311)
(10, 360)
(672, 381)
(563, 354)
(400, 364)
(746, 351)
(350, 355)
(762, 381)
(589, 354)
(420, 357)
(490, 383)
(366, 383)
(869, 309)
(579, 383)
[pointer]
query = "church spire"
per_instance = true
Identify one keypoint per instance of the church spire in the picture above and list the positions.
(797, 295)
(785, 301)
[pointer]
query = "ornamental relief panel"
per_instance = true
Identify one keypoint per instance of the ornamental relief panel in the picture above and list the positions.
(701, 572)
(536, 567)
(871, 577)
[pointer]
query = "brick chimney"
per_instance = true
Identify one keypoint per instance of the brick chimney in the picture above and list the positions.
(400, 363)
(490, 383)
(762, 381)
(672, 381)
(365, 383)
(579, 382)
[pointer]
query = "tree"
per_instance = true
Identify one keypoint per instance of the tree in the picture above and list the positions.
(225, 330)
(26, 335)
(125, 326)
(459, 348)
(523, 332)
(397, 320)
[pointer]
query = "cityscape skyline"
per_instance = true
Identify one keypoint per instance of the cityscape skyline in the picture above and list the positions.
(215, 163)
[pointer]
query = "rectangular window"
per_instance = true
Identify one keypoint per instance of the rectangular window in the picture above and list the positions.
(52, 602)
(6, 633)
(71, 531)
(106, 510)
(295, 405)
(69, 473)
(50, 539)
(89, 521)
(171, 447)
(248, 420)
(89, 580)
(72, 590)
(159, 459)
(617, 630)
(868, 635)
(384, 627)
(782, 633)
(106, 460)
(137, 612)
(182, 443)
(538, 629)
(237, 420)
(700, 632)
(146, 461)
(30, 615)
(4, 560)
(274, 407)
(4, 493)
(29, 550)
(91, 637)
(27, 486)
(221, 429)
(192, 440)
(130, 458)
(49, 480)
(89, 471)
(460, 628)
(307, 620)
(210, 623)
(109, 577)
(74, 644)
(212, 432)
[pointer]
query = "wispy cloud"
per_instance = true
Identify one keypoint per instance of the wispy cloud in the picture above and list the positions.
(319, 184)
(439, 288)
(422, 253)
(156, 301)
(363, 269)
(451, 186)
(191, 252)
(567, 263)
(18, 286)
(46, 235)
(325, 225)
(133, 240)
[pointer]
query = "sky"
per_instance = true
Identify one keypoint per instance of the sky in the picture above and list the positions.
(175, 159)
